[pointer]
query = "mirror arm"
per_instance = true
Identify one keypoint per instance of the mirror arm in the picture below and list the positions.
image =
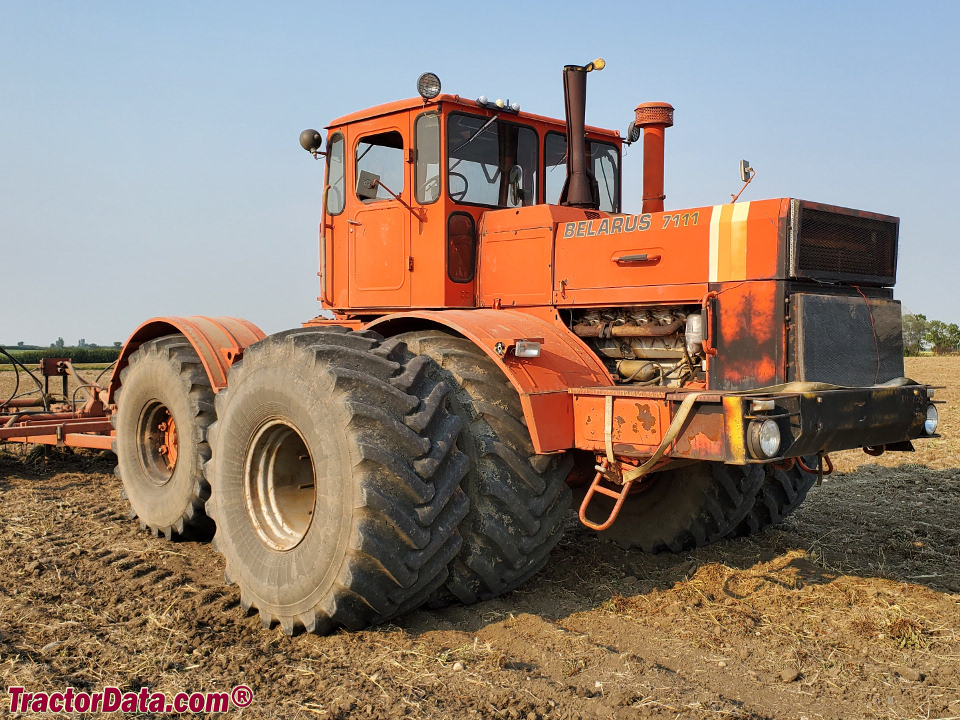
(736, 197)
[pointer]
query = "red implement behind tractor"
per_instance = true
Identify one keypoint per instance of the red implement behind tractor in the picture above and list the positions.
(497, 331)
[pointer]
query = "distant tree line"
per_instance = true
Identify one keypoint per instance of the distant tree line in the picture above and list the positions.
(82, 352)
(920, 334)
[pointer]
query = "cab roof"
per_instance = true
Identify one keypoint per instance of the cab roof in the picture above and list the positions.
(471, 105)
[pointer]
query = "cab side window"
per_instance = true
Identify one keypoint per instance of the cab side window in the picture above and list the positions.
(427, 149)
(555, 161)
(382, 155)
(336, 182)
(491, 162)
(603, 162)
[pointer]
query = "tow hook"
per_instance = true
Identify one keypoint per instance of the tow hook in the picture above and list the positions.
(821, 458)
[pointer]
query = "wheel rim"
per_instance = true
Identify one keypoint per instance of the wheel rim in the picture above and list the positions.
(279, 485)
(157, 442)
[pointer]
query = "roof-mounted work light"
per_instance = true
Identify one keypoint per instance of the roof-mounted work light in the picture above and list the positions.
(428, 85)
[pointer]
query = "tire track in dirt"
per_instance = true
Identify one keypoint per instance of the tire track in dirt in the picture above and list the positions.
(582, 660)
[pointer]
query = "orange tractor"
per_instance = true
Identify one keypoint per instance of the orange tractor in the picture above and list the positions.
(496, 334)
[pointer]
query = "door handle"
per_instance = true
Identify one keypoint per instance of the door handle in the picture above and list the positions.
(708, 308)
(642, 257)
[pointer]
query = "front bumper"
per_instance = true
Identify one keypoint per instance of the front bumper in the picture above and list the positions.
(830, 420)
(810, 421)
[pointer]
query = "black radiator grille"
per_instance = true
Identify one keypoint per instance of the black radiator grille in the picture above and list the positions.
(836, 246)
(835, 341)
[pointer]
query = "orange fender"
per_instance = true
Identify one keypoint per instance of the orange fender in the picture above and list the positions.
(219, 342)
(543, 382)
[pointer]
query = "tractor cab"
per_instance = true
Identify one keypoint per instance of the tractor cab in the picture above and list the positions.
(408, 183)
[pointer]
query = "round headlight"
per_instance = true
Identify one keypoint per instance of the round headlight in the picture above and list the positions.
(765, 438)
(428, 85)
(769, 438)
(930, 424)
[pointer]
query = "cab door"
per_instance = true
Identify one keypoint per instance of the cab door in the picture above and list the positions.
(379, 226)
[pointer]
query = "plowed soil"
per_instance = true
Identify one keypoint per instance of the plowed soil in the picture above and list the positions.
(849, 609)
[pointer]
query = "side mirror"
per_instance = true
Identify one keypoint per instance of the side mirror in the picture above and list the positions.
(367, 185)
(515, 182)
(311, 141)
(747, 174)
(633, 133)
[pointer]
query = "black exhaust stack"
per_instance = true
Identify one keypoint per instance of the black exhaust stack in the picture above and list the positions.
(578, 187)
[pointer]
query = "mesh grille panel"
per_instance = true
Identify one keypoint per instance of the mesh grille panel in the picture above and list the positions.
(833, 245)
(833, 340)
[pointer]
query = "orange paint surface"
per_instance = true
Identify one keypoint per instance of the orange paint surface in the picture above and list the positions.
(385, 266)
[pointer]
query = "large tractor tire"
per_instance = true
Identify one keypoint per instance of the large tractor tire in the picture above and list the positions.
(686, 507)
(335, 479)
(781, 493)
(164, 410)
(518, 499)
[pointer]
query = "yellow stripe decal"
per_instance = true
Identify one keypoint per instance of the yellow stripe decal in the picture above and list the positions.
(723, 264)
(715, 242)
(738, 241)
(728, 242)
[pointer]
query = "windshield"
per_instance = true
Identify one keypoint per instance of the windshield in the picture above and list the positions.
(491, 162)
(602, 158)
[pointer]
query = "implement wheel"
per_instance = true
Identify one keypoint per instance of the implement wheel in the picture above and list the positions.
(686, 507)
(335, 478)
(518, 499)
(164, 407)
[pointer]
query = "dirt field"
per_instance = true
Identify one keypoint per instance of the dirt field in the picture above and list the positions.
(850, 609)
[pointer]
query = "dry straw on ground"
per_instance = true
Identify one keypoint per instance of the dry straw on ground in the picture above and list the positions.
(849, 609)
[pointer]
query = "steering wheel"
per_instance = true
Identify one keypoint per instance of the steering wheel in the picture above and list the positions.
(430, 190)
(459, 195)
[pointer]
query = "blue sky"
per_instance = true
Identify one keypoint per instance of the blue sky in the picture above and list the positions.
(149, 162)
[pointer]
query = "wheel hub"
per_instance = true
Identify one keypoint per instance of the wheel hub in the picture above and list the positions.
(157, 442)
(169, 447)
(279, 485)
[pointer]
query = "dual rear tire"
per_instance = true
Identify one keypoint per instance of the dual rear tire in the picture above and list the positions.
(356, 478)
(518, 499)
(336, 480)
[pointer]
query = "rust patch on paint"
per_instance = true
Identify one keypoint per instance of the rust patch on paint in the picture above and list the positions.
(703, 438)
(747, 315)
(646, 417)
(747, 332)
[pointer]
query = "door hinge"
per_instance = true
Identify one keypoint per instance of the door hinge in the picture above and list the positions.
(410, 155)
(410, 264)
